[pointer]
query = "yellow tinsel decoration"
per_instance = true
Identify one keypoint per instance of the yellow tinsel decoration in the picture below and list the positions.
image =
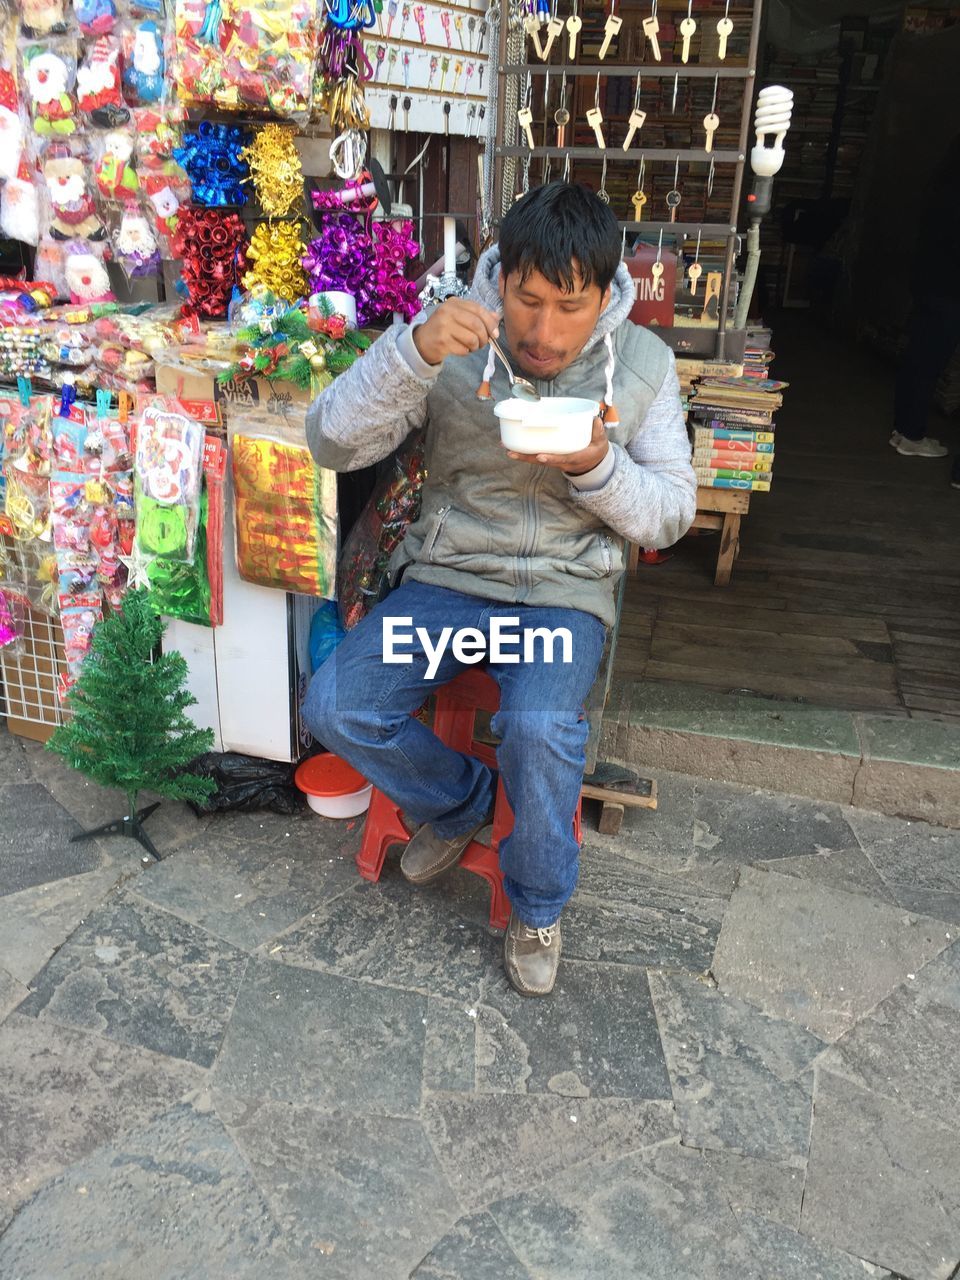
(274, 255)
(275, 170)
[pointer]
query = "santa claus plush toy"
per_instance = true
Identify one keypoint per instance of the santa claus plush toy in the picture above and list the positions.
(49, 81)
(98, 85)
(20, 207)
(11, 126)
(73, 213)
(86, 275)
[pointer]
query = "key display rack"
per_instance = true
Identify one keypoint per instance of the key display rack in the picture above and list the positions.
(650, 104)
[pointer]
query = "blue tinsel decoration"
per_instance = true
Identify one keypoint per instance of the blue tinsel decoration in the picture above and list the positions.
(211, 156)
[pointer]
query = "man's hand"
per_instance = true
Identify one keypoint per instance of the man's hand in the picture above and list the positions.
(455, 328)
(574, 464)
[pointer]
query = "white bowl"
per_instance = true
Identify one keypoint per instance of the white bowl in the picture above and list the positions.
(348, 806)
(556, 424)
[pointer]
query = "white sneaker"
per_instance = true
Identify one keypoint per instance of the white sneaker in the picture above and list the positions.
(925, 448)
(895, 438)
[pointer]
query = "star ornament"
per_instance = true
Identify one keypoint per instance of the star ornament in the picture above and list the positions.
(137, 565)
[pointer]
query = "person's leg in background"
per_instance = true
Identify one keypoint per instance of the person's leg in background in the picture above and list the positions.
(933, 335)
(361, 708)
(543, 735)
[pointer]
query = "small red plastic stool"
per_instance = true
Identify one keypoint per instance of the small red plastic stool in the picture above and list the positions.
(457, 705)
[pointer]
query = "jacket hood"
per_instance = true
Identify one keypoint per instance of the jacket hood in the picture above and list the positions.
(623, 291)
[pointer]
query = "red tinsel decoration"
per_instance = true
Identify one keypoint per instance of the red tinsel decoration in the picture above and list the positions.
(212, 245)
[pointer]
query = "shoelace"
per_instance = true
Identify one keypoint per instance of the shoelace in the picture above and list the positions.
(546, 935)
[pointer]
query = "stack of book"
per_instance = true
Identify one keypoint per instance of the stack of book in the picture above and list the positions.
(733, 431)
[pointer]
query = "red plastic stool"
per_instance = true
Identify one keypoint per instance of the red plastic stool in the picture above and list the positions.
(456, 707)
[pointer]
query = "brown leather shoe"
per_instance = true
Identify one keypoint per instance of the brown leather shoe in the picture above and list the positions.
(427, 856)
(531, 957)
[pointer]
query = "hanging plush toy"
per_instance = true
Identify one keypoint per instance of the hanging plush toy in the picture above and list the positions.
(73, 213)
(11, 126)
(98, 85)
(49, 79)
(86, 275)
(136, 245)
(95, 17)
(20, 207)
(144, 70)
(115, 175)
(43, 17)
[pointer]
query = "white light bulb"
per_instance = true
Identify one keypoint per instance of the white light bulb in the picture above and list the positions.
(774, 109)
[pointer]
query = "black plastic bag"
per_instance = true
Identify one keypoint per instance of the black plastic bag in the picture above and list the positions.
(247, 783)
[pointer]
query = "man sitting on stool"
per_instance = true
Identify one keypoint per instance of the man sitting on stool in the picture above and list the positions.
(537, 539)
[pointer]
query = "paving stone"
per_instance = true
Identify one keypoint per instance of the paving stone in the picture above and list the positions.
(35, 836)
(628, 914)
(788, 1255)
(14, 760)
(67, 1092)
(651, 1217)
(395, 933)
(35, 922)
(775, 1191)
(450, 1047)
(297, 1035)
(734, 826)
(906, 1048)
(927, 902)
(924, 742)
(473, 1249)
(597, 1035)
(11, 993)
(914, 854)
(246, 893)
(172, 825)
(660, 838)
(816, 955)
(174, 1201)
(142, 976)
(848, 869)
(736, 1074)
(493, 1147)
(882, 1183)
(363, 1195)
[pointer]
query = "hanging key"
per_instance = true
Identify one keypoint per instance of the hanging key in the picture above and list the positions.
(531, 26)
(724, 30)
(444, 68)
(711, 122)
(471, 116)
(404, 18)
(407, 104)
(391, 62)
(695, 272)
(574, 23)
(392, 122)
(381, 54)
(391, 14)
(673, 199)
(458, 27)
(610, 30)
(687, 29)
(595, 120)
(554, 28)
(484, 28)
(420, 18)
(638, 200)
(561, 118)
(651, 26)
(656, 271)
(471, 31)
(633, 124)
(525, 120)
(446, 118)
(434, 65)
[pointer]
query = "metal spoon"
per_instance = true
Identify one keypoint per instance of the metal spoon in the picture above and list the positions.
(520, 388)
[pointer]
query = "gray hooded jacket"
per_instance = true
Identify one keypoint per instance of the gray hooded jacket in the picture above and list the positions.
(507, 530)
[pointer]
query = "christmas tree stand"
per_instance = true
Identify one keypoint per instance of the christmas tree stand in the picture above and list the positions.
(128, 826)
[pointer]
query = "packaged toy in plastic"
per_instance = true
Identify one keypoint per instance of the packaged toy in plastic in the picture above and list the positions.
(95, 17)
(44, 17)
(144, 62)
(169, 451)
(49, 81)
(73, 213)
(99, 97)
(113, 169)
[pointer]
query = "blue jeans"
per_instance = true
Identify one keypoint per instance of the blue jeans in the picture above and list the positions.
(360, 708)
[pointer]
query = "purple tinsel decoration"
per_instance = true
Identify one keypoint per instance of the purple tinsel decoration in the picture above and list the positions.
(347, 257)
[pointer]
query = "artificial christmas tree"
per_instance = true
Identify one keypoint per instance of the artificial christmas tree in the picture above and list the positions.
(127, 727)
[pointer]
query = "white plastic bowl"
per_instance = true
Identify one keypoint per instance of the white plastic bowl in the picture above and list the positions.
(348, 806)
(556, 424)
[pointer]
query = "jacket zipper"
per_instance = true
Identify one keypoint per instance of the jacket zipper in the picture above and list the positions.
(442, 512)
(544, 390)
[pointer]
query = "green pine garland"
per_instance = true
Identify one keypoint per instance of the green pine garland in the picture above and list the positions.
(128, 728)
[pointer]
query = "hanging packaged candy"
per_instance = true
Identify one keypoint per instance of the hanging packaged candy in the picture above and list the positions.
(85, 274)
(28, 439)
(135, 246)
(211, 155)
(167, 189)
(95, 17)
(169, 450)
(144, 63)
(211, 245)
(69, 446)
(73, 214)
(116, 178)
(11, 125)
(78, 618)
(99, 97)
(12, 620)
(27, 503)
(44, 17)
(157, 129)
(71, 515)
(49, 80)
(285, 510)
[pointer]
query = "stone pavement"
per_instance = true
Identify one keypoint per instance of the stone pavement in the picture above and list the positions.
(246, 1062)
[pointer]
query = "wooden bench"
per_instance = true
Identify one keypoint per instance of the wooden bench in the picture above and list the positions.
(718, 510)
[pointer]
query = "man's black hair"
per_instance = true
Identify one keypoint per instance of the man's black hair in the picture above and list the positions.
(563, 231)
